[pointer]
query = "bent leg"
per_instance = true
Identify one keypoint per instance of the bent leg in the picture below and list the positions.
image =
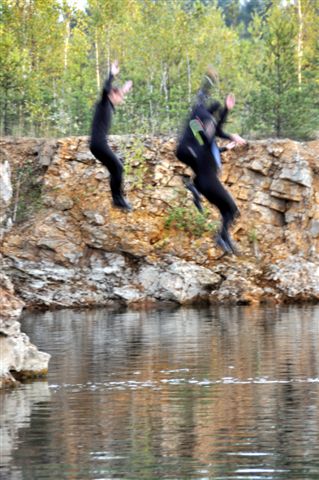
(229, 212)
(211, 187)
(114, 165)
(213, 190)
(188, 155)
(105, 155)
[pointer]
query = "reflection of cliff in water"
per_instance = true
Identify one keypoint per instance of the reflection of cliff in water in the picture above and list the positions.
(16, 415)
(145, 394)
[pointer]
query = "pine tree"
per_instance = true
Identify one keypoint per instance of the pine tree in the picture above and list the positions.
(280, 106)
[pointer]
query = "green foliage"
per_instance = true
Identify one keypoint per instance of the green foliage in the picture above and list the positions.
(252, 235)
(54, 58)
(190, 221)
(29, 203)
(280, 104)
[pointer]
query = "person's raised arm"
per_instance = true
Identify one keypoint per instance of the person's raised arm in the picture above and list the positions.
(114, 70)
(219, 128)
(229, 105)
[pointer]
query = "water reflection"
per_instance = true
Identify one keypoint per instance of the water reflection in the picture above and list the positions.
(215, 393)
(15, 417)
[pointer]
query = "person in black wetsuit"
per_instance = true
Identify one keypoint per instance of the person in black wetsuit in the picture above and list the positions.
(197, 149)
(111, 97)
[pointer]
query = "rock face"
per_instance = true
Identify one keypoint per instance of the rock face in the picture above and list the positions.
(75, 249)
(19, 358)
(5, 190)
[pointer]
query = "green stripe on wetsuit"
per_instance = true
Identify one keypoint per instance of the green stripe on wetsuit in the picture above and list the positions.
(196, 127)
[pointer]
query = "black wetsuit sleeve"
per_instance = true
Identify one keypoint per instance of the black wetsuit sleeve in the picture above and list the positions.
(219, 130)
(107, 87)
(218, 133)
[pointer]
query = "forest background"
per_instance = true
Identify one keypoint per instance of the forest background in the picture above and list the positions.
(55, 55)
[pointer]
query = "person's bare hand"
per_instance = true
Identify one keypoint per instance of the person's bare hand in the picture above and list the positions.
(230, 101)
(230, 145)
(115, 68)
(127, 86)
(238, 139)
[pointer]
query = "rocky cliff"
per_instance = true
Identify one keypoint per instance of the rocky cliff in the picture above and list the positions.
(19, 358)
(69, 247)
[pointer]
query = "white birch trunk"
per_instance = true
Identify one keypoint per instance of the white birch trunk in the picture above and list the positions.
(16, 200)
(150, 88)
(108, 50)
(300, 43)
(189, 80)
(66, 43)
(165, 86)
(97, 62)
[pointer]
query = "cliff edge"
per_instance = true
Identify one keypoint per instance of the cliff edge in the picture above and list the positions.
(68, 247)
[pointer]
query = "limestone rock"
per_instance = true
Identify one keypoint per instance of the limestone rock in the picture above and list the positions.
(314, 228)
(11, 306)
(296, 277)
(297, 173)
(77, 250)
(46, 152)
(5, 190)
(287, 190)
(239, 286)
(18, 356)
(182, 282)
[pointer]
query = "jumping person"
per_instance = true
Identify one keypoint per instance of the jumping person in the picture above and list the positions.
(197, 149)
(111, 97)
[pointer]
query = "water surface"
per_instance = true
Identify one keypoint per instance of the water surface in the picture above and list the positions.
(210, 393)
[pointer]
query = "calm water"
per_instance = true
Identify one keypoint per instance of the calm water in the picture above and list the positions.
(214, 393)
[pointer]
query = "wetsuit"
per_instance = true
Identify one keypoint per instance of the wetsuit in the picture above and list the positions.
(98, 144)
(196, 152)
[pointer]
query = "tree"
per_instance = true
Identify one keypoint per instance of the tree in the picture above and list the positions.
(278, 105)
(231, 10)
(54, 59)
(11, 79)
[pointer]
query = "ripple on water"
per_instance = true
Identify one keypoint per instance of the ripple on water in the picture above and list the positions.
(132, 384)
(209, 393)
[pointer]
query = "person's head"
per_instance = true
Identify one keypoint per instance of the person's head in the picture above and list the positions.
(209, 83)
(212, 74)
